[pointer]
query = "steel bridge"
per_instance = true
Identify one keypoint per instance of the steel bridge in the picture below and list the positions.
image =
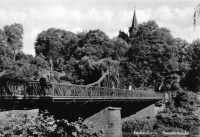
(72, 101)
(19, 89)
(64, 100)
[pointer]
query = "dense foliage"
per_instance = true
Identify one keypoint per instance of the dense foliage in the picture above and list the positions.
(151, 58)
(42, 125)
(181, 114)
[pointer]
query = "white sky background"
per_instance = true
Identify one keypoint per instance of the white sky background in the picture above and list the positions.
(110, 16)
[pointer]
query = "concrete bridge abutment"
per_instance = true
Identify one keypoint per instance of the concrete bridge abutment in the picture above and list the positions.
(108, 121)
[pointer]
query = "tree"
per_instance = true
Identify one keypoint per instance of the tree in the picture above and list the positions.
(196, 16)
(26, 58)
(69, 45)
(88, 60)
(14, 37)
(119, 48)
(55, 43)
(95, 44)
(5, 54)
(123, 36)
(40, 62)
(3, 37)
(152, 57)
(18, 68)
(89, 70)
(181, 112)
(192, 78)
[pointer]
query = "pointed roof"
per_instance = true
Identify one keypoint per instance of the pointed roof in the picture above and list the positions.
(134, 23)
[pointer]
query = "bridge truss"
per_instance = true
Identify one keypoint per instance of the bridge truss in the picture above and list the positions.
(22, 89)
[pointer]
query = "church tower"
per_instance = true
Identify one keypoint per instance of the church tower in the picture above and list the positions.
(134, 24)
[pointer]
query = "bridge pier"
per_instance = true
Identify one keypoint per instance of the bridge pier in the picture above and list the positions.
(108, 120)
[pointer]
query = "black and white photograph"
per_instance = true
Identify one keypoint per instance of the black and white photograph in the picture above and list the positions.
(99, 68)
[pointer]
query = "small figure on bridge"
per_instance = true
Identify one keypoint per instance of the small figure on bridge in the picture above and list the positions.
(43, 85)
(130, 87)
(113, 88)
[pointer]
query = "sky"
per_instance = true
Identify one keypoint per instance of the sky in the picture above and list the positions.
(110, 16)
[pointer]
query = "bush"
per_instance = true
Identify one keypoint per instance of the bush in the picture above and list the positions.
(138, 124)
(181, 114)
(43, 126)
(25, 125)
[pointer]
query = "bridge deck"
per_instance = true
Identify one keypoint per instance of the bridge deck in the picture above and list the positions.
(77, 99)
(59, 92)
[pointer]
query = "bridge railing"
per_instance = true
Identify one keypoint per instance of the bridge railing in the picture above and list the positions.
(35, 88)
(22, 87)
(95, 92)
(68, 90)
(11, 87)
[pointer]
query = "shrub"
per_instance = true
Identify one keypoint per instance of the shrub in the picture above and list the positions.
(43, 126)
(25, 125)
(181, 114)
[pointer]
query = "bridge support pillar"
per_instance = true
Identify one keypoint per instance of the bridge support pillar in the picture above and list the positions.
(114, 122)
(108, 120)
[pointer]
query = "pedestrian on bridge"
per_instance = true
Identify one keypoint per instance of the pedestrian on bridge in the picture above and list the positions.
(42, 85)
(113, 88)
(130, 87)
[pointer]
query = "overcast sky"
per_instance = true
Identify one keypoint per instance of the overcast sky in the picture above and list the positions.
(110, 16)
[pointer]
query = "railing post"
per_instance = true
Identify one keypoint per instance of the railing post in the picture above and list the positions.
(125, 93)
(114, 93)
(52, 90)
(90, 93)
(0, 87)
(96, 92)
(104, 92)
(74, 92)
(24, 88)
(84, 92)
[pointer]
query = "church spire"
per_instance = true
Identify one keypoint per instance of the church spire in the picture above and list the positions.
(134, 23)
